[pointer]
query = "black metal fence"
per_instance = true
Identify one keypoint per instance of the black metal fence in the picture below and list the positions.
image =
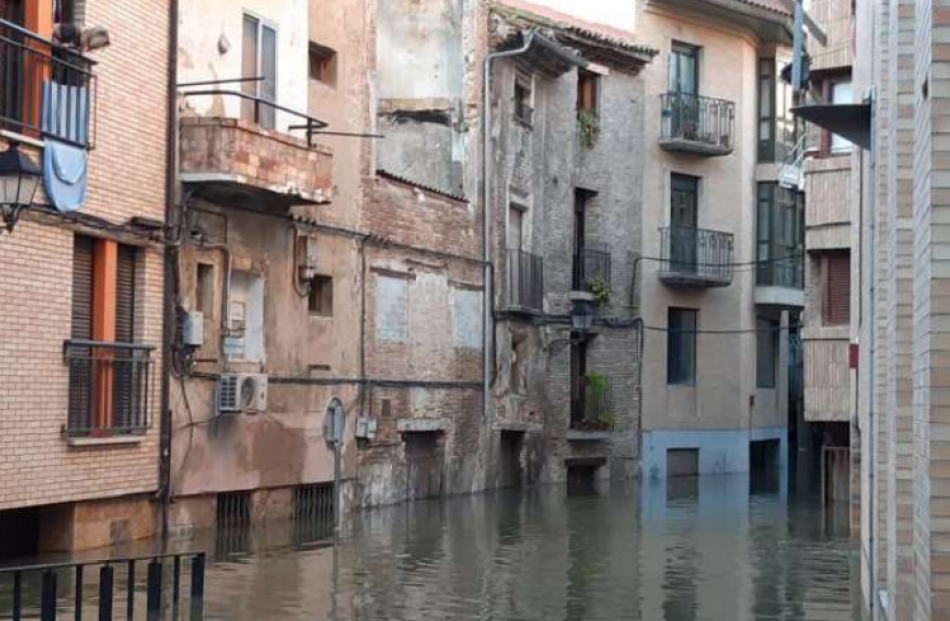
(696, 253)
(591, 266)
(704, 120)
(103, 588)
(45, 91)
(109, 388)
(313, 512)
(592, 403)
(525, 280)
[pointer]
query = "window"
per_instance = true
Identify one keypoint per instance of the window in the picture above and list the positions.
(780, 236)
(840, 94)
(322, 64)
(837, 297)
(467, 317)
(766, 109)
(684, 69)
(515, 227)
(64, 11)
(587, 91)
(107, 382)
(259, 60)
(320, 298)
(681, 346)
(766, 352)
(392, 309)
(524, 111)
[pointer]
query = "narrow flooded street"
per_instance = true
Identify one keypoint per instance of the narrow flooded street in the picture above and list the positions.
(696, 550)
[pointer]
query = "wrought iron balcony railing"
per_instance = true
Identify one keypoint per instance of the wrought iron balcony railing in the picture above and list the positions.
(592, 403)
(525, 280)
(109, 388)
(696, 124)
(45, 91)
(696, 257)
(591, 266)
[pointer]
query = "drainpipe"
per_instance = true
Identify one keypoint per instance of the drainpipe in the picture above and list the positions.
(171, 260)
(488, 297)
(872, 337)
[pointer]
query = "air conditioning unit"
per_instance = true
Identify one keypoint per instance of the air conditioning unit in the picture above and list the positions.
(241, 392)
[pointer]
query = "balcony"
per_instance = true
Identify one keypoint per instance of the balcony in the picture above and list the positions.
(691, 257)
(45, 91)
(592, 415)
(591, 267)
(697, 125)
(781, 282)
(233, 161)
(109, 389)
(525, 281)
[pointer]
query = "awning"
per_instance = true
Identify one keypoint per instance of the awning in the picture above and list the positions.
(850, 121)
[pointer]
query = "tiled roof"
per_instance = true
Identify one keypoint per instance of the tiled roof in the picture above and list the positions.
(777, 6)
(601, 33)
(385, 174)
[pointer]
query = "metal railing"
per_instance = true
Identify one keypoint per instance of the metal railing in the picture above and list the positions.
(702, 120)
(788, 272)
(592, 403)
(109, 388)
(591, 266)
(525, 280)
(255, 107)
(43, 591)
(696, 253)
(45, 91)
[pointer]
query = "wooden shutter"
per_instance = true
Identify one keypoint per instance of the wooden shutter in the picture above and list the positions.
(125, 295)
(838, 289)
(82, 287)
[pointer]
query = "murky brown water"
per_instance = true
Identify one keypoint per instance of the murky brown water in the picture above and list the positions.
(698, 550)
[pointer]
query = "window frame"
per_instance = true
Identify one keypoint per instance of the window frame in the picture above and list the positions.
(523, 105)
(268, 115)
(328, 58)
(767, 333)
(679, 370)
(828, 318)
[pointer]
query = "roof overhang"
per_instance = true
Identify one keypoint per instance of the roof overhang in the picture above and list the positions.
(850, 121)
(767, 24)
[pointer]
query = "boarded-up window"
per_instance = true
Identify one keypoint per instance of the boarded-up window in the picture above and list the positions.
(392, 309)
(586, 91)
(837, 289)
(467, 318)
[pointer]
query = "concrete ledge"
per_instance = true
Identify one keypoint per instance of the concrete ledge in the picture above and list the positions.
(576, 435)
(780, 296)
(107, 441)
(422, 425)
(516, 425)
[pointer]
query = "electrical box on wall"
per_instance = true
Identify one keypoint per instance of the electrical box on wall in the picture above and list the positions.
(366, 428)
(306, 257)
(193, 330)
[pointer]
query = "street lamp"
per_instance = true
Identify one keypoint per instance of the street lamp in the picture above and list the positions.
(582, 315)
(19, 178)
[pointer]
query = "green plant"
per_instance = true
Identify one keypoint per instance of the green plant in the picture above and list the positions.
(589, 122)
(600, 289)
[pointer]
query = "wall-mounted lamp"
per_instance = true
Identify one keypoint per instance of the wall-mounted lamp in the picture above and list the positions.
(19, 179)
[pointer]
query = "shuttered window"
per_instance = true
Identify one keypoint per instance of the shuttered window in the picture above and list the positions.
(586, 91)
(125, 295)
(82, 287)
(837, 289)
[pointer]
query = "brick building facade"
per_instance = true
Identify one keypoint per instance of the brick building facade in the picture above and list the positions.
(80, 424)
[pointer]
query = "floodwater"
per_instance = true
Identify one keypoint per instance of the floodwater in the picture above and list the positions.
(686, 550)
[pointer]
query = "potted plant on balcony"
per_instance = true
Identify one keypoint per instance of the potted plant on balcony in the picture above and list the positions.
(589, 125)
(598, 392)
(600, 289)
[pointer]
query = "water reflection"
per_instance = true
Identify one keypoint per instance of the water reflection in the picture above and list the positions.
(699, 549)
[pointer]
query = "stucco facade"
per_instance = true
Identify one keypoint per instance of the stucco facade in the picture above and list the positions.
(722, 409)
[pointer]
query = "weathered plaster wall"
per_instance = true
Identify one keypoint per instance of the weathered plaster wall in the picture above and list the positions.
(210, 43)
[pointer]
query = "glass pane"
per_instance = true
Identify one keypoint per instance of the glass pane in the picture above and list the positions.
(269, 73)
(249, 64)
